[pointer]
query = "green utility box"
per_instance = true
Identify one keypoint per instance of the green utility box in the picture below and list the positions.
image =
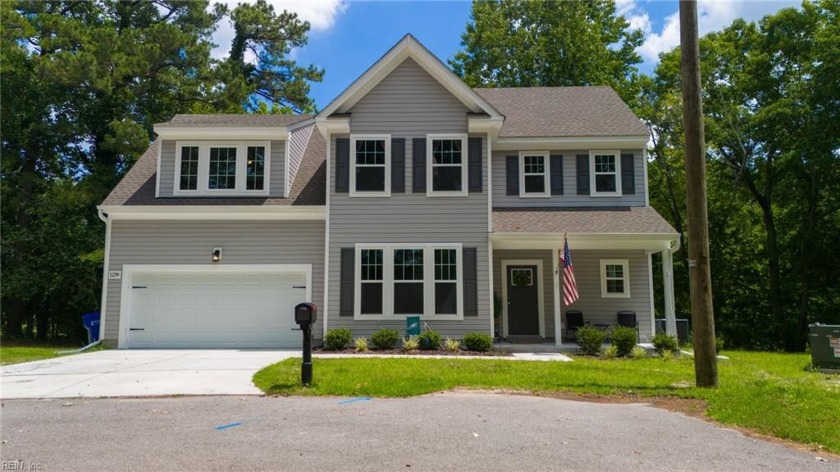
(825, 346)
(412, 325)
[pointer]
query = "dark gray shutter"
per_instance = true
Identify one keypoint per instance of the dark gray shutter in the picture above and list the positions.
(470, 282)
(398, 165)
(342, 165)
(582, 174)
(348, 282)
(556, 174)
(628, 175)
(419, 167)
(512, 172)
(475, 164)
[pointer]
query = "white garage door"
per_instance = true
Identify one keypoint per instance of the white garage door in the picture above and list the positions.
(215, 310)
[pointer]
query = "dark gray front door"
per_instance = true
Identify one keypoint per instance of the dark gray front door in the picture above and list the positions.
(523, 309)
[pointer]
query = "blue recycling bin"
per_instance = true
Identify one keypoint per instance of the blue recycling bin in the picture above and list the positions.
(91, 323)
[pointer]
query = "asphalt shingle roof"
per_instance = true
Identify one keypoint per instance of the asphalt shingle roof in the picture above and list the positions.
(607, 220)
(563, 112)
(186, 121)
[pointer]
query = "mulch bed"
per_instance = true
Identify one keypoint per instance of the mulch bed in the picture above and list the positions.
(438, 352)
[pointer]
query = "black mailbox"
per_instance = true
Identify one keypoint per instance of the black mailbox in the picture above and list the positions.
(306, 314)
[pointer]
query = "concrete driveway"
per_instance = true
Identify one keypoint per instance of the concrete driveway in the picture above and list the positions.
(120, 373)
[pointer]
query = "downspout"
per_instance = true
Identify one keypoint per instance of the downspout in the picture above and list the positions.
(106, 265)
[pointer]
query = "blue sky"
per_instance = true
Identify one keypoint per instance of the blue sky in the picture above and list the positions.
(348, 36)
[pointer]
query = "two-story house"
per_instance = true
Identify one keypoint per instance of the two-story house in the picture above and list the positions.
(409, 194)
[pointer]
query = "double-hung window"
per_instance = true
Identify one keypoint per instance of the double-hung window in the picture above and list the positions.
(397, 280)
(370, 161)
(605, 174)
(231, 169)
(446, 164)
(615, 278)
(533, 174)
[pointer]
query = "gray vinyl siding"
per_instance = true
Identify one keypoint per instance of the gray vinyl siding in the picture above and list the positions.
(547, 288)
(297, 145)
(409, 104)
(570, 198)
(587, 263)
(190, 242)
(168, 161)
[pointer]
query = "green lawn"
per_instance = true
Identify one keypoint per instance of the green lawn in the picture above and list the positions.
(769, 393)
(14, 353)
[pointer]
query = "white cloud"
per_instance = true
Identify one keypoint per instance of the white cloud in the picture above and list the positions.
(712, 15)
(321, 15)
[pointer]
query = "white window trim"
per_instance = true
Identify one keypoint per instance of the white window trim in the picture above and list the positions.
(388, 281)
(202, 189)
(592, 191)
(626, 269)
(367, 137)
(546, 175)
(464, 166)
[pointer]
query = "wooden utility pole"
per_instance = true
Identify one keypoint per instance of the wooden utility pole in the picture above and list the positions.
(702, 314)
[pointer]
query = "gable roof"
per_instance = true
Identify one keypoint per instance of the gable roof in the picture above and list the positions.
(563, 112)
(407, 47)
(137, 188)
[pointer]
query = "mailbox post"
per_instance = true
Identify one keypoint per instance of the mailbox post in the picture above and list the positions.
(305, 316)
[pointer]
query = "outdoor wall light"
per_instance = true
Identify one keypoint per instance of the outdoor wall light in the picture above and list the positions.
(217, 254)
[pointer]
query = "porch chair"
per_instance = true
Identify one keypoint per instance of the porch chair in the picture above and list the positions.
(574, 320)
(628, 319)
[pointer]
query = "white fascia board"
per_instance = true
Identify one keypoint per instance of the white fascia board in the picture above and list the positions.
(216, 212)
(485, 124)
(405, 48)
(607, 241)
(276, 133)
(571, 143)
(336, 125)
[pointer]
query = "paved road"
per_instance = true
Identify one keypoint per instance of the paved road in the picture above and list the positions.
(451, 431)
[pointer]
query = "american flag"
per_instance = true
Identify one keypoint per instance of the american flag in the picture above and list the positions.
(570, 292)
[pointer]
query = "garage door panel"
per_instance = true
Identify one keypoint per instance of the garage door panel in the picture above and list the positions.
(233, 310)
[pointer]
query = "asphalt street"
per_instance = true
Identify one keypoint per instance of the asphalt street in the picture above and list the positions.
(449, 431)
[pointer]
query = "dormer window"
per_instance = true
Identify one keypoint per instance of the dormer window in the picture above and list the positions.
(231, 169)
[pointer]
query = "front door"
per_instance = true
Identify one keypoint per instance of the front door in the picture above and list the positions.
(523, 300)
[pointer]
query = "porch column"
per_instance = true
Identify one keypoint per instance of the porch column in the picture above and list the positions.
(668, 283)
(555, 263)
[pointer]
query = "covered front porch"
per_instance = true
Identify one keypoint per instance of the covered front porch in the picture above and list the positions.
(613, 271)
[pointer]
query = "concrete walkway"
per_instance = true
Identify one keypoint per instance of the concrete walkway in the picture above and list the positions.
(143, 373)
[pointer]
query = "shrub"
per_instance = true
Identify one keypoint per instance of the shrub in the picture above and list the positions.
(719, 343)
(610, 352)
(336, 339)
(480, 342)
(385, 338)
(590, 340)
(429, 340)
(638, 352)
(664, 342)
(624, 339)
(411, 343)
(361, 344)
(667, 355)
(451, 345)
